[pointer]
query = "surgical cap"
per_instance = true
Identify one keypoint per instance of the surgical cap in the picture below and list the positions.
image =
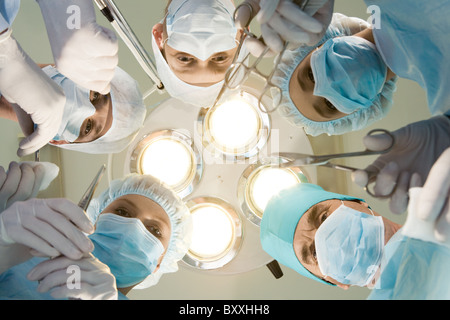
(280, 220)
(157, 191)
(128, 111)
(349, 72)
(340, 25)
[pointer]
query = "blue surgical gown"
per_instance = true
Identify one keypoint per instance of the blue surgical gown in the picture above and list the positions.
(413, 269)
(414, 42)
(14, 284)
(8, 12)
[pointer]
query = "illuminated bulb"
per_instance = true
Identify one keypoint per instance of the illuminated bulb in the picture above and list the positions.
(234, 125)
(268, 182)
(212, 231)
(168, 160)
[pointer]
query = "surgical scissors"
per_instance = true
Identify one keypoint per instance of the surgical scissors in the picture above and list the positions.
(238, 72)
(87, 196)
(300, 159)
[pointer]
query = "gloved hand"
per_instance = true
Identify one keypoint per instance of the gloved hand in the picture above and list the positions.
(95, 283)
(88, 53)
(51, 227)
(21, 182)
(24, 83)
(417, 146)
(433, 204)
(282, 20)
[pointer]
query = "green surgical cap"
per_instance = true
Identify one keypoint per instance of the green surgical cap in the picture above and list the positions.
(280, 219)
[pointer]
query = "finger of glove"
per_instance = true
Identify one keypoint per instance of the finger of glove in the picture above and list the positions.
(72, 212)
(26, 186)
(272, 38)
(436, 189)
(267, 9)
(66, 238)
(11, 183)
(105, 40)
(360, 177)
(296, 16)
(33, 143)
(387, 179)
(442, 230)
(286, 31)
(3, 177)
(18, 234)
(59, 236)
(256, 48)
(46, 267)
(399, 199)
(243, 15)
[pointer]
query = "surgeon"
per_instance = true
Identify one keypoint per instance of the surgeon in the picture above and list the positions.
(85, 52)
(92, 122)
(193, 46)
(339, 240)
(142, 229)
(345, 82)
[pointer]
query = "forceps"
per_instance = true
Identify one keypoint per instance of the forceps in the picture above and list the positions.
(238, 72)
(87, 196)
(300, 159)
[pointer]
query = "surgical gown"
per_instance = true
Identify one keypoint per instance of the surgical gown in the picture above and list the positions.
(414, 42)
(14, 284)
(415, 270)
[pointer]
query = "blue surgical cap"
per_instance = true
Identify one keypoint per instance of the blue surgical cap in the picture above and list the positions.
(280, 220)
(157, 191)
(340, 25)
(349, 72)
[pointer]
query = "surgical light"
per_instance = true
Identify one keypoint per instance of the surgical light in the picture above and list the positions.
(236, 127)
(169, 156)
(260, 182)
(216, 233)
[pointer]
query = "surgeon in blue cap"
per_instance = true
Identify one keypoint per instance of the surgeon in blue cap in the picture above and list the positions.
(339, 240)
(135, 232)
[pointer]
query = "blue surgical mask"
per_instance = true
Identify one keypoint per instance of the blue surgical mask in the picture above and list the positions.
(126, 247)
(349, 72)
(349, 246)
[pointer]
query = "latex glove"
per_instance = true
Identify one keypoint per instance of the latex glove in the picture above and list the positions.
(282, 20)
(24, 180)
(51, 227)
(60, 276)
(435, 196)
(88, 55)
(417, 147)
(24, 83)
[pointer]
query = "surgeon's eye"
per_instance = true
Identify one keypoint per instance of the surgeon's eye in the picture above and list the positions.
(220, 58)
(88, 128)
(122, 212)
(185, 59)
(94, 96)
(155, 230)
(311, 75)
(330, 106)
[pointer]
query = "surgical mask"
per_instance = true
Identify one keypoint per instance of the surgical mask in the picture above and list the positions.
(349, 72)
(126, 247)
(78, 106)
(201, 28)
(349, 246)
